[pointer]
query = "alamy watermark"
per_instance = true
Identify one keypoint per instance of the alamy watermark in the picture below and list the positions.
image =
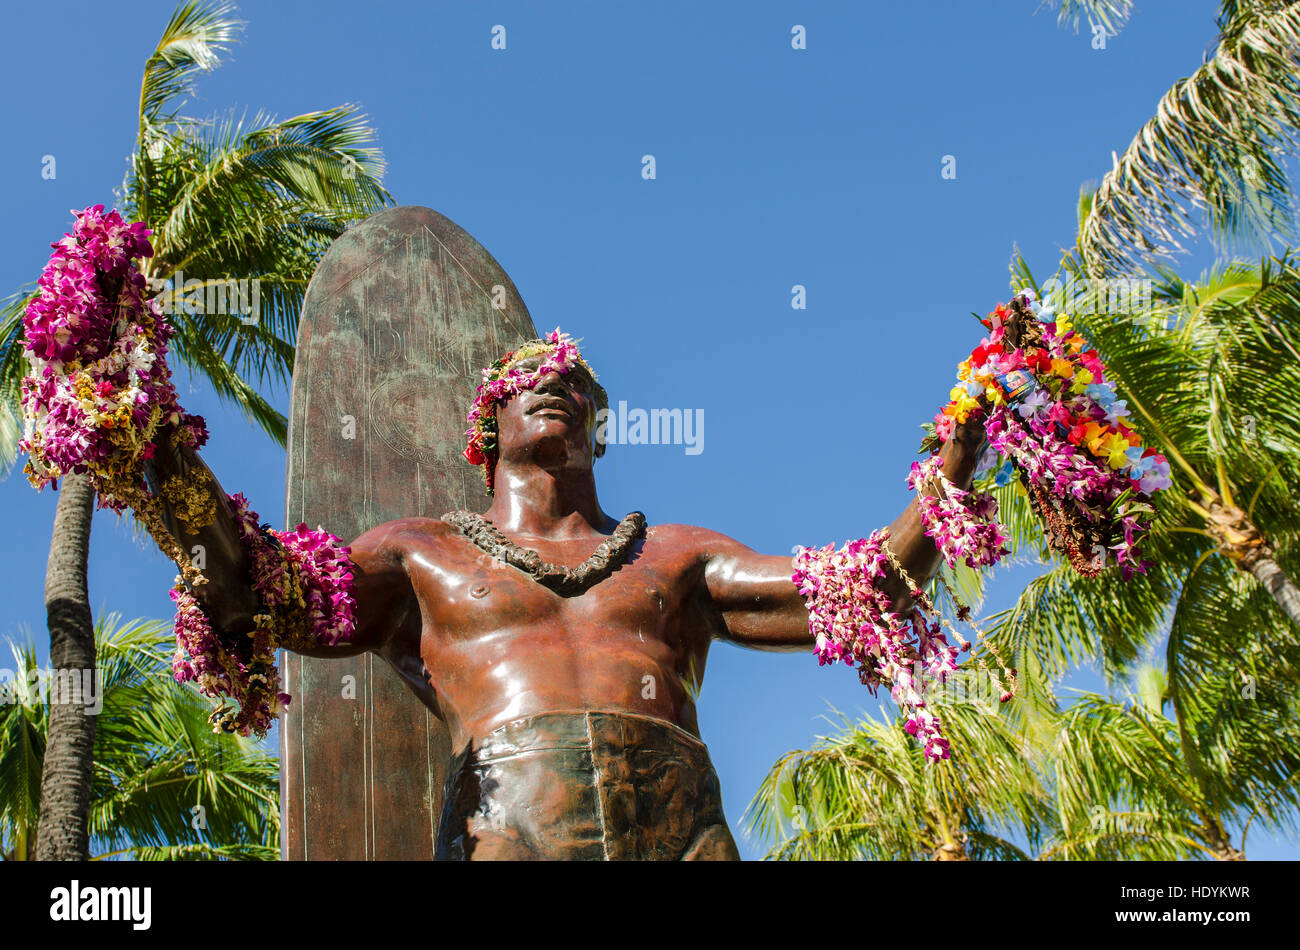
(1115, 295)
(624, 426)
(54, 688)
(220, 295)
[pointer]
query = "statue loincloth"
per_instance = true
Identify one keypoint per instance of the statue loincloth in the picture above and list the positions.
(593, 786)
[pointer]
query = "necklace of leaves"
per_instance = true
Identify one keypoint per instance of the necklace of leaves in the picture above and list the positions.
(566, 581)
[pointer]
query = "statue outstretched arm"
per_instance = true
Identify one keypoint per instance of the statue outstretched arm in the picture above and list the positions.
(385, 606)
(760, 607)
(211, 539)
(916, 552)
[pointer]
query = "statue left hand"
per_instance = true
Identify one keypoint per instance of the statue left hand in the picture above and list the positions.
(971, 436)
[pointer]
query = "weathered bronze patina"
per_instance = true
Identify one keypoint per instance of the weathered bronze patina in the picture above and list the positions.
(585, 786)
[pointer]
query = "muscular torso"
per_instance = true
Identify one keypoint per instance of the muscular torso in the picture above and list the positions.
(486, 644)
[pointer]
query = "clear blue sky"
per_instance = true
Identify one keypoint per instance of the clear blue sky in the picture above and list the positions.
(775, 167)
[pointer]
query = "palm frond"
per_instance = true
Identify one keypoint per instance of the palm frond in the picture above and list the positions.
(1110, 15)
(193, 42)
(13, 367)
(867, 793)
(197, 351)
(1214, 146)
(23, 725)
(257, 204)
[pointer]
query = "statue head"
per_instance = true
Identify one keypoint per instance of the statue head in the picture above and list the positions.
(541, 394)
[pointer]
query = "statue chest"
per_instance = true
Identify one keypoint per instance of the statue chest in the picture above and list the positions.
(481, 597)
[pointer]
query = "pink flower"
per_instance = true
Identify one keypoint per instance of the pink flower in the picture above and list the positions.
(963, 525)
(302, 562)
(76, 336)
(852, 621)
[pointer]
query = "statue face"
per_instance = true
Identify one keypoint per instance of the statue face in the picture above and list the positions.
(558, 415)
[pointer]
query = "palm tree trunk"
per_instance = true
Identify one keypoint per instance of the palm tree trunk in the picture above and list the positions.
(1219, 840)
(63, 826)
(1246, 545)
(1277, 583)
(951, 847)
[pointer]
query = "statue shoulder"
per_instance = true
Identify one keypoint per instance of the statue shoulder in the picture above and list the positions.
(399, 537)
(703, 542)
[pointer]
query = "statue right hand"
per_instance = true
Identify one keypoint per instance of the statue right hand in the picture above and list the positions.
(214, 547)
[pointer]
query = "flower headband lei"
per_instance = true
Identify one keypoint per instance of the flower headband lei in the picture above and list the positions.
(503, 380)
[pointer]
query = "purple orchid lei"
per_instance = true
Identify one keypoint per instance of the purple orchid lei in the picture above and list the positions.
(853, 621)
(97, 401)
(99, 393)
(305, 580)
(962, 524)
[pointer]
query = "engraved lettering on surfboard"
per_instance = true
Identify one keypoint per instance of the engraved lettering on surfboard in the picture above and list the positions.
(402, 410)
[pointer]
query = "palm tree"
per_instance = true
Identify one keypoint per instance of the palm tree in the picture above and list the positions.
(869, 793)
(164, 786)
(1214, 147)
(1108, 15)
(1126, 788)
(254, 200)
(1209, 374)
(1102, 779)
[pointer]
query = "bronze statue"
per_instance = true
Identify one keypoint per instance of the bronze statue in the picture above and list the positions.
(568, 694)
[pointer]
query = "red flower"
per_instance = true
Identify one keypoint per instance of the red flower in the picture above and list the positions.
(1038, 360)
(980, 355)
(473, 455)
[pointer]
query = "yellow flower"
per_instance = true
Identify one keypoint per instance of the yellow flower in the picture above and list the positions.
(994, 393)
(1062, 368)
(963, 370)
(962, 405)
(1064, 324)
(1115, 446)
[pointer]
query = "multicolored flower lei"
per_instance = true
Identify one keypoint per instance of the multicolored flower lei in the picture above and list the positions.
(97, 401)
(1052, 415)
(502, 380)
(99, 393)
(305, 581)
